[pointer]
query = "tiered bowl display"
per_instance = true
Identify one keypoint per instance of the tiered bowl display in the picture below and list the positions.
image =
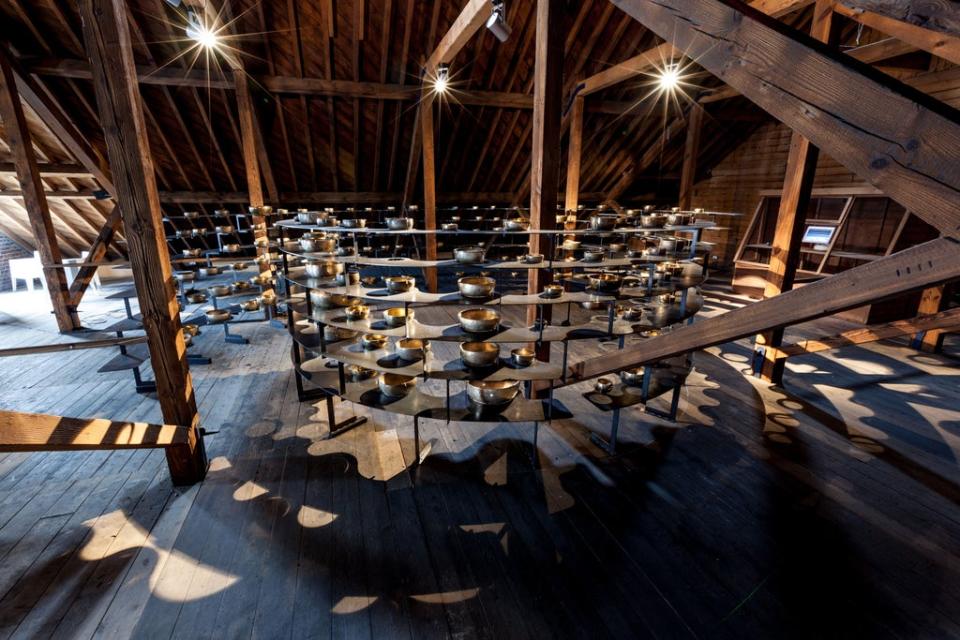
(362, 329)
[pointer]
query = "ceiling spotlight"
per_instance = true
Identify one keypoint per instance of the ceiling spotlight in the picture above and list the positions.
(443, 78)
(669, 77)
(497, 22)
(199, 32)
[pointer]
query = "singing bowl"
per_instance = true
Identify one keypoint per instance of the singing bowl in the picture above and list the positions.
(325, 269)
(479, 320)
(196, 298)
(679, 219)
(396, 316)
(347, 278)
(479, 354)
(631, 314)
(570, 245)
(318, 245)
(343, 252)
(552, 291)
(326, 300)
(261, 280)
(496, 394)
(238, 266)
(476, 286)
(652, 221)
(410, 349)
(603, 221)
(468, 255)
(394, 385)
(191, 329)
(210, 271)
(219, 290)
(333, 334)
(250, 305)
(224, 229)
(191, 215)
(357, 312)
(603, 385)
(605, 282)
(359, 374)
(399, 224)
(231, 248)
(516, 224)
(217, 315)
(373, 341)
(307, 217)
(240, 286)
(449, 226)
(593, 255)
(632, 377)
(399, 284)
(523, 356)
(666, 245)
(533, 258)
(616, 247)
(353, 223)
(185, 276)
(191, 253)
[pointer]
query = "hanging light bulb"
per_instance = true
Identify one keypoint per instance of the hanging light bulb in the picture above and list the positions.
(200, 33)
(442, 80)
(497, 23)
(669, 77)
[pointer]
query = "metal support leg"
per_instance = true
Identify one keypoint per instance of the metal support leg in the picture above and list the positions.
(610, 446)
(416, 440)
(335, 428)
(232, 337)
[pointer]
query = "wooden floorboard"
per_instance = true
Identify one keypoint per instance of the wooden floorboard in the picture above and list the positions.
(827, 508)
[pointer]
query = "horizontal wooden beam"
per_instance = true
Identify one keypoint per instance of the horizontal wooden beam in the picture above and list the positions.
(62, 194)
(41, 432)
(922, 266)
(937, 43)
(641, 63)
(52, 170)
(945, 320)
(72, 346)
(934, 15)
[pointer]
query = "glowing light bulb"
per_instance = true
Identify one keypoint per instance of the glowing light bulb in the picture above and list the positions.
(200, 33)
(440, 85)
(669, 78)
(442, 81)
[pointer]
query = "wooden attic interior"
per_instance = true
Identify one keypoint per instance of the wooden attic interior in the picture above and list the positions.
(718, 241)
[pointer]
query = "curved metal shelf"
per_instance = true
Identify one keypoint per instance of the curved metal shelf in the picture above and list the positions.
(293, 224)
(453, 332)
(412, 263)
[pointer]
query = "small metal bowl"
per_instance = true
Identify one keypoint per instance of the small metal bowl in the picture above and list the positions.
(373, 341)
(552, 291)
(251, 305)
(411, 349)
(191, 329)
(215, 316)
(632, 377)
(570, 245)
(605, 282)
(593, 255)
(307, 217)
(185, 276)
(239, 287)
(479, 354)
(477, 287)
(369, 281)
(603, 385)
(209, 271)
(191, 253)
(397, 316)
(399, 224)
(261, 280)
(616, 247)
(359, 374)
(631, 314)
(399, 284)
(344, 252)
(231, 248)
(325, 269)
(348, 278)
(333, 334)
(197, 297)
(523, 356)
(238, 266)
(353, 223)
(357, 312)
(516, 224)
(449, 226)
(219, 290)
(492, 395)
(533, 258)
(394, 385)
(223, 229)
(479, 320)
(468, 255)
(191, 215)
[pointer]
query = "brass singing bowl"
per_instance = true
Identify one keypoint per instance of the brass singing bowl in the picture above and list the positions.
(196, 298)
(399, 224)
(552, 291)
(219, 290)
(394, 385)
(476, 286)
(399, 284)
(479, 354)
(372, 341)
(603, 385)
(479, 320)
(605, 282)
(191, 329)
(632, 377)
(410, 348)
(325, 269)
(357, 312)
(499, 393)
(250, 305)
(396, 316)
(523, 356)
(217, 315)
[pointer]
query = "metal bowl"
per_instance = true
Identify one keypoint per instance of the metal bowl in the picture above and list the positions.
(594, 305)
(469, 255)
(196, 297)
(191, 253)
(224, 228)
(533, 258)
(605, 282)
(325, 269)
(359, 374)
(239, 287)
(593, 255)
(210, 271)
(348, 278)
(631, 314)
(399, 284)
(233, 247)
(449, 226)
(185, 276)
(315, 244)
(191, 329)
(476, 286)
(667, 245)
(261, 280)
(492, 395)
(219, 290)
(479, 320)
(373, 341)
(397, 316)
(191, 215)
(552, 291)
(570, 245)
(333, 334)
(250, 305)
(523, 356)
(603, 385)
(479, 354)
(603, 221)
(678, 219)
(616, 247)
(516, 224)
(353, 223)
(344, 251)
(307, 217)
(632, 377)
(238, 266)
(357, 312)
(215, 316)
(652, 220)
(410, 349)
(399, 224)
(394, 385)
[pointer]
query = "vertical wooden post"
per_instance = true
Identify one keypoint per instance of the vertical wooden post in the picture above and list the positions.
(574, 153)
(429, 185)
(931, 302)
(691, 150)
(34, 200)
(251, 163)
(797, 185)
(545, 157)
(107, 37)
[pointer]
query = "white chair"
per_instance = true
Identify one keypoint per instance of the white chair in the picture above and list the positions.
(27, 269)
(73, 271)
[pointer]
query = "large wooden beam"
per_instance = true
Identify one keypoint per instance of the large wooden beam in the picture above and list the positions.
(545, 154)
(96, 253)
(931, 301)
(52, 170)
(574, 154)
(691, 150)
(922, 266)
(429, 189)
(248, 140)
(794, 201)
(640, 63)
(939, 44)
(467, 23)
(42, 432)
(34, 201)
(107, 37)
(897, 139)
(935, 15)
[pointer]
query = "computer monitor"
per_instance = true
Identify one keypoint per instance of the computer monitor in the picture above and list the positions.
(818, 235)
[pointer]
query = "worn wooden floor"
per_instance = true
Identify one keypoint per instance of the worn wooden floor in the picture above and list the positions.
(827, 510)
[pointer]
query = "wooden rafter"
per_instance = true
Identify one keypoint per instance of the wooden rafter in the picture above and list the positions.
(937, 43)
(935, 15)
